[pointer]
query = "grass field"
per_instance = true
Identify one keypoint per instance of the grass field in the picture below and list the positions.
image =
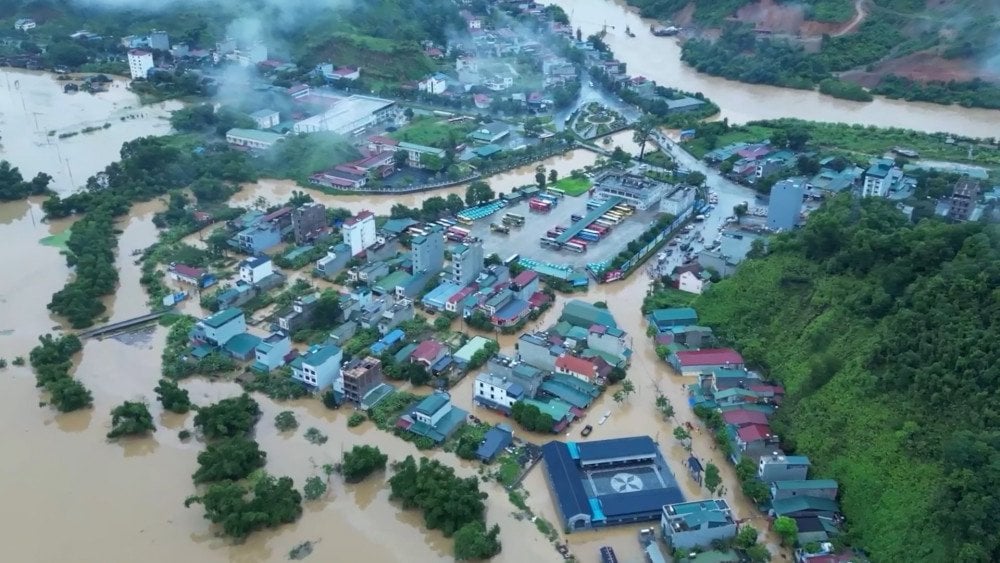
(434, 132)
(57, 240)
(573, 186)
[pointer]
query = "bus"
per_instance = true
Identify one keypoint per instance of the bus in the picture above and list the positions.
(464, 220)
(511, 259)
(446, 222)
(575, 247)
(556, 192)
(604, 223)
(623, 209)
(417, 232)
(514, 219)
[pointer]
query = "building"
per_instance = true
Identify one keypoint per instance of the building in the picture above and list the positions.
(319, 367)
(437, 83)
(805, 506)
(271, 352)
(778, 467)
(823, 488)
(695, 362)
(665, 319)
(24, 24)
(684, 105)
(359, 232)
(497, 392)
(219, 328)
(349, 116)
(633, 189)
(140, 63)
(679, 202)
(265, 118)
(361, 376)
(252, 138)
(159, 40)
(299, 314)
(880, 177)
(466, 262)
(419, 156)
(189, 275)
(610, 341)
(434, 417)
(394, 315)
(785, 205)
(692, 283)
(255, 269)
(427, 252)
(608, 482)
(488, 133)
(535, 349)
(495, 441)
(346, 73)
(583, 314)
(687, 525)
(258, 238)
(579, 368)
(428, 353)
(334, 262)
(308, 222)
(964, 198)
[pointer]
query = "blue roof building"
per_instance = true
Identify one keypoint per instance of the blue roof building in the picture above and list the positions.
(608, 482)
(496, 439)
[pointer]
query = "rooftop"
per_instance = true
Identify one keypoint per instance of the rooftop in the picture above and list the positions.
(803, 484)
(795, 504)
(617, 448)
(581, 313)
(709, 356)
(242, 344)
(255, 135)
(432, 404)
(675, 314)
(222, 317)
(320, 354)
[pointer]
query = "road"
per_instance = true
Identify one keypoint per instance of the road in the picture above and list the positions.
(860, 13)
(589, 94)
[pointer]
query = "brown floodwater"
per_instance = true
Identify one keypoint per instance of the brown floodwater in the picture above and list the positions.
(33, 106)
(659, 58)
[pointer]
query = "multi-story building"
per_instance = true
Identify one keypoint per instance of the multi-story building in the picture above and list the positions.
(265, 118)
(882, 175)
(497, 392)
(361, 376)
(359, 232)
(636, 190)
(319, 367)
(140, 63)
(679, 202)
(785, 205)
(963, 199)
(219, 328)
(159, 40)
(271, 352)
(427, 251)
(255, 269)
(308, 222)
(778, 467)
(698, 523)
(466, 262)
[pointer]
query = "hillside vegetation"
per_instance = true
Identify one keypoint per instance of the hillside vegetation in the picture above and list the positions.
(887, 337)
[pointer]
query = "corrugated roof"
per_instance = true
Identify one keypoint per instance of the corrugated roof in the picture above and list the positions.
(222, 317)
(570, 496)
(432, 404)
(709, 356)
(791, 505)
(617, 448)
(803, 484)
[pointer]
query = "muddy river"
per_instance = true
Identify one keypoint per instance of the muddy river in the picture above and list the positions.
(659, 58)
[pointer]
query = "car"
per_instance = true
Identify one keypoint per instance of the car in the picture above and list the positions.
(586, 430)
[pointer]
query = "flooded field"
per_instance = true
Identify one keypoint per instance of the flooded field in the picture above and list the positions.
(42, 128)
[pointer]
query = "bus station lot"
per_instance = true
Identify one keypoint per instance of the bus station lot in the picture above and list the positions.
(525, 240)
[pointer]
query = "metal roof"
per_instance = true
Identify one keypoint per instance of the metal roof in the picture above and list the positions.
(617, 448)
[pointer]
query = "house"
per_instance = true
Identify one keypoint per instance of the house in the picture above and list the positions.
(583, 314)
(219, 328)
(475, 344)
(525, 284)
(754, 441)
(742, 417)
(265, 118)
(359, 232)
(436, 83)
(579, 368)
(434, 417)
(300, 313)
(800, 506)
(665, 319)
(694, 362)
(242, 347)
(536, 350)
(308, 222)
(687, 525)
(189, 275)
(319, 367)
(437, 299)
(258, 238)
(679, 202)
(394, 315)
(472, 22)
(785, 204)
(497, 392)
(482, 101)
(360, 376)
(495, 441)
(387, 341)
(777, 467)
(427, 251)
(24, 24)
(252, 138)
(140, 63)
(254, 269)
(487, 133)
(346, 73)
(823, 488)
(271, 352)
(429, 352)
(692, 279)
(420, 156)
(610, 343)
(334, 262)
(880, 178)
(964, 197)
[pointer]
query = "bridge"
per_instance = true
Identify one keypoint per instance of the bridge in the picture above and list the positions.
(120, 325)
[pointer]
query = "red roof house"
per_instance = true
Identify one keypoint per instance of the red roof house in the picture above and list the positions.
(754, 433)
(693, 362)
(579, 368)
(428, 352)
(742, 417)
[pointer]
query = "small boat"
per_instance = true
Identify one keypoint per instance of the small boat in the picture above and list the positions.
(604, 418)
(586, 430)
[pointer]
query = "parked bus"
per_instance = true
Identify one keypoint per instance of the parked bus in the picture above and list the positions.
(417, 232)
(502, 229)
(556, 192)
(515, 217)
(447, 222)
(604, 223)
(465, 220)
(459, 230)
(511, 259)
(623, 209)
(575, 247)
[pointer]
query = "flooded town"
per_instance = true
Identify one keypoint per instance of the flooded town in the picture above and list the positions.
(498, 266)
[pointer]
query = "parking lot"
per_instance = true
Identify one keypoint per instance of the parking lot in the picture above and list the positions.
(525, 240)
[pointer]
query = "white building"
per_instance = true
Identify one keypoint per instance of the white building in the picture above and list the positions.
(319, 367)
(256, 53)
(221, 327)
(24, 24)
(252, 270)
(496, 392)
(350, 115)
(691, 283)
(159, 40)
(880, 177)
(265, 118)
(435, 84)
(680, 201)
(252, 138)
(140, 63)
(359, 232)
(499, 83)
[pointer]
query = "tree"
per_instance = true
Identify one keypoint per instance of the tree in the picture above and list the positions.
(787, 529)
(758, 553)
(628, 387)
(757, 491)
(807, 165)
(327, 312)
(229, 459)
(285, 421)
(618, 396)
(664, 406)
(642, 130)
(234, 416)
(798, 138)
(362, 461)
(269, 503)
(172, 397)
(479, 192)
(314, 488)
(447, 501)
(696, 179)
(746, 537)
(540, 179)
(472, 541)
(682, 435)
(620, 156)
(442, 323)
(712, 477)
(553, 176)
(415, 373)
(740, 210)
(68, 394)
(531, 417)
(131, 418)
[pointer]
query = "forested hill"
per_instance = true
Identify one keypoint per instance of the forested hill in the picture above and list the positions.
(887, 337)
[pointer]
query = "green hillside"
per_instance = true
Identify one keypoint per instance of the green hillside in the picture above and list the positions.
(887, 337)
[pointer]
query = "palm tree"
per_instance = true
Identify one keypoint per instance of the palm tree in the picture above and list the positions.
(643, 128)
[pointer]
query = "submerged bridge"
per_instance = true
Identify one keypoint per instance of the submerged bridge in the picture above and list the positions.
(120, 325)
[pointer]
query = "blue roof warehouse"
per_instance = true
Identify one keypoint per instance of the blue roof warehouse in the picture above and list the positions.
(608, 482)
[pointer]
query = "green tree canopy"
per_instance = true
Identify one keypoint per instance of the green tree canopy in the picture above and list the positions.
(131, 418)
(229, 459)
(269, 503)
(361, 461)
(235, 416)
